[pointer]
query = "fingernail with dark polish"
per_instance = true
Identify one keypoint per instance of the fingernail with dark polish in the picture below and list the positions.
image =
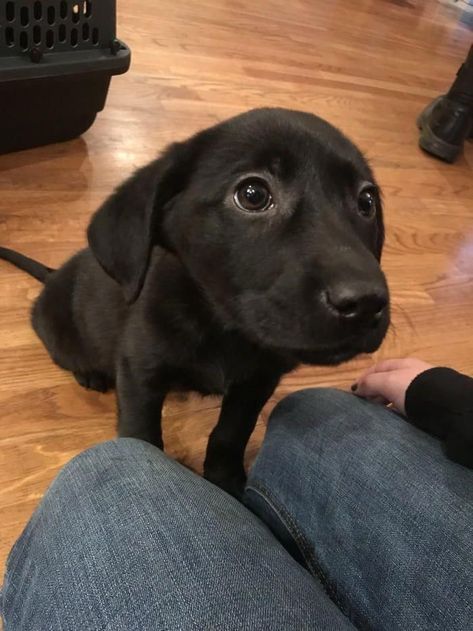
(354, 387)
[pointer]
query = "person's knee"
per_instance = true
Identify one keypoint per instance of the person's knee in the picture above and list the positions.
(329, 422)
(121, 457)
(332, 423)
(313, 407)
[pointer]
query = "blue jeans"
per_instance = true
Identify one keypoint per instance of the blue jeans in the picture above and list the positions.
(353, 519)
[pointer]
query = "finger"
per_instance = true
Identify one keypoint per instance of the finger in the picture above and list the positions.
(379, 400)
(387, 365)
(374, 385)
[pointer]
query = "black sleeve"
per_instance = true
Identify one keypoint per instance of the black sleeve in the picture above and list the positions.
(440, 401)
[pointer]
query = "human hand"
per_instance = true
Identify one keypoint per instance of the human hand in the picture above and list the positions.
(387, 381)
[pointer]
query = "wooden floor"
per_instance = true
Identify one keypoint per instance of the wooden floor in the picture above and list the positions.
(367, 66)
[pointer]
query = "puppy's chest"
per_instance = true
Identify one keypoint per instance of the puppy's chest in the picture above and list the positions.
(221, 362)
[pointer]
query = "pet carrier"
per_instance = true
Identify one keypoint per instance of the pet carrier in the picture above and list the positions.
(56, 61)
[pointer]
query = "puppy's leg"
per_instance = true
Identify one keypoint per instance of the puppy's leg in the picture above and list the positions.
(140, 402)
(240, 409)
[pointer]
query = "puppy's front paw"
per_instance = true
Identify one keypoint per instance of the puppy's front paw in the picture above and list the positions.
(232, 482)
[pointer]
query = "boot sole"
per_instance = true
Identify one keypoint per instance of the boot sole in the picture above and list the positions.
(431, 143)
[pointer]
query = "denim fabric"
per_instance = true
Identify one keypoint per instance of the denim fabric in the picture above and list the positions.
(126, 539)
(372, 507)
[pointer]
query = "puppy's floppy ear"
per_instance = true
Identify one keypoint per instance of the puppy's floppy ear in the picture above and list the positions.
(123, 231)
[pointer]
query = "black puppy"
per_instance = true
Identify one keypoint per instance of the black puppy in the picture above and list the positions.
(240, 253)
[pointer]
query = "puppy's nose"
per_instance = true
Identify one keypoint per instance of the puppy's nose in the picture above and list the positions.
(360, 304)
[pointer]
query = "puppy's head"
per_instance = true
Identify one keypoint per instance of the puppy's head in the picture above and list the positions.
(277, 217)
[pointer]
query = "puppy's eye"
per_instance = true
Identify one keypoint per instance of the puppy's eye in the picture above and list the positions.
(253, 195)
(367, 202)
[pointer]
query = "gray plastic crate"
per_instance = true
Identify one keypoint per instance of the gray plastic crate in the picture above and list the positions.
(56, 61)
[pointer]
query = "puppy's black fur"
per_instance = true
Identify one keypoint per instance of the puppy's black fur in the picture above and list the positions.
(181, 287)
